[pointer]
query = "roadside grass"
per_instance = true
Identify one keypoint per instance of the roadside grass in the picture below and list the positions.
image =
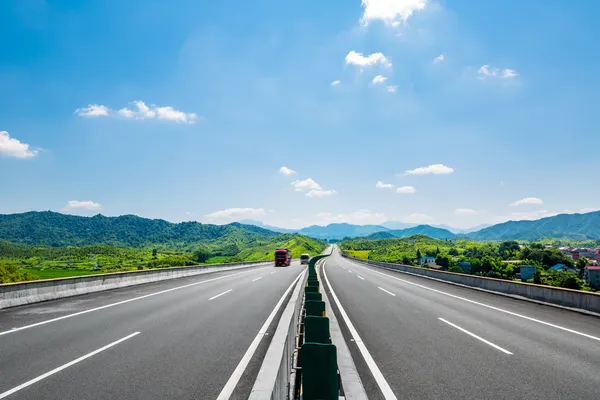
(363, 254)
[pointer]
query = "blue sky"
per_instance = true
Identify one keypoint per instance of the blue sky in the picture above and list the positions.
(466, 112)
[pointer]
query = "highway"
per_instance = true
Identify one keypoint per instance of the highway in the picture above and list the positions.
(415, 338)
(176, 339)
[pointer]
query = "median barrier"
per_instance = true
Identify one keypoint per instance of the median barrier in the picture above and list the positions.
(16, 294)
(319, 371)
(568, 298)
(316, 308)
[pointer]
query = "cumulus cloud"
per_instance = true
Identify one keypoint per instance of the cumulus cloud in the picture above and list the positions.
(359, 217)
(379, 79)
(93, 110)
(391, 12)
(588, 209)
(391, 89)
(286, 171)
(231, 214)
(527, 200)
(434, 169)
(528, 215)
(406, 190)
(311, 188)
(381, 185)
(74, 205)
(485, 71)
(359, 60)
(465, 212)
(335, 83)
(438, 58)
(140, 111)
(306, 185)
(320, 193)
(12, 147)
(418, 219)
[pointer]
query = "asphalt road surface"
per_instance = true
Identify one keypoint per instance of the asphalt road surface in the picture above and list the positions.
(177, 339)
(432, 340)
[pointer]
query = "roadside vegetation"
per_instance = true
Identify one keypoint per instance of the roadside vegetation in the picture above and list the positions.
(19, 262)
(501, 259)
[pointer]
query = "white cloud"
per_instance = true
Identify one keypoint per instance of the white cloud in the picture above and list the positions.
(286, 171)
(335, 83)
(406, 190)
(93, 110)
(529, 215)
(391, 89)
(485, 71)
(141, 111)
(306, 185)
(438, 58)
(379, 79)
(359, 217)
(127, 113)
(14, 148)
(320, 193)
(381, 185)
(418, 219)
(231, 214)
(73, 205)
(527, 200)
(311, 188)
(359, 60)
(435, 169)
(588, 209)
(465, 212)
(390, 11)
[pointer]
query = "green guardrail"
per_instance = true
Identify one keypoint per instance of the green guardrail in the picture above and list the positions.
(318, 356)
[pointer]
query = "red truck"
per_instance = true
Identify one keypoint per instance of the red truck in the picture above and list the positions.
(283, 257)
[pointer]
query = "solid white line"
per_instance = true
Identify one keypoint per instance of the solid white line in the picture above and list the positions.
(360, 277)
(67, 365)
(220, 294)
(231, 384)
(486, 305)
(385, 388)
(475, 336)
(255, 279)
(122, 302)
(387, 291)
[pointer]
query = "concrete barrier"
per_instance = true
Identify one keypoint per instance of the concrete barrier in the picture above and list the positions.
(16, 294)
(569, 298)
(273, 379)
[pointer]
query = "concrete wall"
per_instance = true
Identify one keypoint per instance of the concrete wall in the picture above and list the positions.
(548, 294)
(16, 294)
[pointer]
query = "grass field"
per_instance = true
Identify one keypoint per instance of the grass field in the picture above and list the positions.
(363, 254)
(59, 273)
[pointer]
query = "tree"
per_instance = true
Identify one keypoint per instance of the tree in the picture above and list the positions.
(443, 260)
(453, 252)
(581, 264)
(418, 255)
(201, 255)
(437, 251)
(154, 252)
(537, 277)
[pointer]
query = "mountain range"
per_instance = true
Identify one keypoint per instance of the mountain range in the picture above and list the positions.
(54, 229)
(564, 226)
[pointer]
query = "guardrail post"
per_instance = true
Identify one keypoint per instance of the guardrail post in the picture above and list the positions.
(319, 371)
(316, 329)
(316, 308)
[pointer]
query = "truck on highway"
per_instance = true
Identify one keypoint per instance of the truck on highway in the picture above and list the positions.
(283, 257)
(304, 258)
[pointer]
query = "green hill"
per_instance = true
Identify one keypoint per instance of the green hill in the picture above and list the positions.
(57, 230)
(577, 227)
(427, 230)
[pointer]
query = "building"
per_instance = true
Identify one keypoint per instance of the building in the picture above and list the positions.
(465, 266)
(426, 260)
(527, 272)
(563, 268)
(593, 276)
